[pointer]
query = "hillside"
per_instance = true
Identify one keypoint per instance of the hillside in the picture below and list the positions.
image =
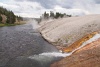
(7, 16)
(66, 31)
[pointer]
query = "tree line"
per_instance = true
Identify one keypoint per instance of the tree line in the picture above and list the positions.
(10, 16)
(54, 15)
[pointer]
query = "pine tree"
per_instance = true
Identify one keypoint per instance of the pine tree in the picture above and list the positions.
(11, 18)
(52, 14)
(57, 15)
(19, 18)
(0, 18)
(46, 15)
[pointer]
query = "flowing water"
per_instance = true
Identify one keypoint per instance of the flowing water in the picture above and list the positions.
(45, 58)
(30, 49)
(18, 43)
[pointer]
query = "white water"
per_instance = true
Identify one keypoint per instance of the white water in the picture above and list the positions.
(56, 54)
(60, 54)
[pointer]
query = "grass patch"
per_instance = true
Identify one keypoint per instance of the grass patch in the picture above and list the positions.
(6, 24)
(2, 25)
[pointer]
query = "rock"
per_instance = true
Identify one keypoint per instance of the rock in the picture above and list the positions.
(88, 56)
(4, 18)
(65, 31)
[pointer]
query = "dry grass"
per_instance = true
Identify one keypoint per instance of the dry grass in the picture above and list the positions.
(21, 22)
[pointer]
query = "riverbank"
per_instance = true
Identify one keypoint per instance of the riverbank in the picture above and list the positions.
(17, 23)
(65, 31)
(69, 34)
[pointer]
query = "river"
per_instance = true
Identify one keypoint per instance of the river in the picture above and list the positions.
(23, 46)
